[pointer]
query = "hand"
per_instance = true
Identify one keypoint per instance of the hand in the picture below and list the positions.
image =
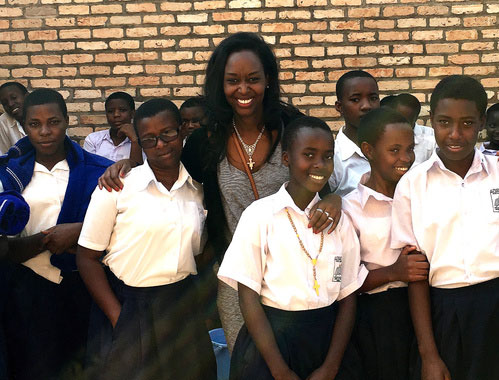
(330, 215)
(321, 374)
(286, 374)
(58, 239)
(129, 131)
(111, 179)
(410, 267)
(434, 369)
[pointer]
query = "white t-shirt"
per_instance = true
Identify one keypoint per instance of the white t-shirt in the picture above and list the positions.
(349, 165)
(45, 194)
(100, 143)
(371, 216)
(265, 256)
(425, 144)
(455, 221)
(10, 132)
(150, 234)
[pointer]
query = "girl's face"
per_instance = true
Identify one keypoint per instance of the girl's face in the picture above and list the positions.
(393, 154)
(46, 127)
(164, 155)
(245, 83)
(118, 112)
(310, 159)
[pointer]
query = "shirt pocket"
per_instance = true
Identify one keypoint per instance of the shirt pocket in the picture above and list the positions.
(195, 216)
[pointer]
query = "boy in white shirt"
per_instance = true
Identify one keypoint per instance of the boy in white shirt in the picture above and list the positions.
(357, 93)
(491, 147)
(12, 96)
(448, 207)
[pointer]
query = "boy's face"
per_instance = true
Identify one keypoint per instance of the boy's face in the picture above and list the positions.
(165, 155)
(492, 127)
(360, 95)
(118, 112)
(12, 99)
(456, 123)
(46, 127)
(310, 159)
(409, 113)
(192, 119)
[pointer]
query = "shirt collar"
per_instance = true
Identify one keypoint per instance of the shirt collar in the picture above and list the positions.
(145, 176)
(61, 165)
(366, 192)
(107, 136)
(478, 164)
(348, 147)
(283, 200)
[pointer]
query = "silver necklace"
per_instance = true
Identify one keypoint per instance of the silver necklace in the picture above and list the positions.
(249, 149)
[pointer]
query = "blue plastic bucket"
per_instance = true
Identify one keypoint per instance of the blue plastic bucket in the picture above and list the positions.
(219, 343)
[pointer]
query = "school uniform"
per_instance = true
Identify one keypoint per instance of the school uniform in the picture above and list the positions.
(10, 132)
(490, 152)
(383, 334)
(47, 305)
(424, 143)
(102, 144)
(150, 235)
(455, 222)
(349, 165)
(265, 256)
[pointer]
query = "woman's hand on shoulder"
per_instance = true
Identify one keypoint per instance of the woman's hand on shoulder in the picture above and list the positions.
(111, 179)
(326, 213)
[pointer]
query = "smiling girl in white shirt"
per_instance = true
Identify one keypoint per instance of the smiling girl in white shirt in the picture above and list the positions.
(290, 279)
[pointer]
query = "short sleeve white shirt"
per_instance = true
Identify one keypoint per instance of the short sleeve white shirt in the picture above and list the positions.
(371, 216)
(265, 256)
(490, 152)
(455, 221)
(100, 143)
(349, 165)
(45, 195)
(10, 132)
(150, 234)
(425, 144)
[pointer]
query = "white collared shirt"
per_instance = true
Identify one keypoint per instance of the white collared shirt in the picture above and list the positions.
(150, 234)
(265, 256)
(10, 132)
(455, 221)
(100, 143)
(371, 216)
(349, 165)
(425, 144)
(490, 152)
(45, 194)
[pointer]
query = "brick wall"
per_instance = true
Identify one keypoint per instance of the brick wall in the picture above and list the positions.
(87, 49)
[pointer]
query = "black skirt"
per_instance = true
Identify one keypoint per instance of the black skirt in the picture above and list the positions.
(159, 335)
(46, 325)
(303, 338)
(383, 335)
(466, 330)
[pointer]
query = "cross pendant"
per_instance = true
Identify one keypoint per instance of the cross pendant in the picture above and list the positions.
(251, 163)
(316, 287)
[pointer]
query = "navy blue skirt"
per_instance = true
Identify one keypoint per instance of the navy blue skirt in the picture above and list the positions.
(160, 334)
(46, 325)
(303, 338)
(383, 335)
(466, 330)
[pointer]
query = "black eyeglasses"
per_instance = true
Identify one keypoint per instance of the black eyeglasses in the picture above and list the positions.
(167, 136)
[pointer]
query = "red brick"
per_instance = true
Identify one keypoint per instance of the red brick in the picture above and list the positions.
(110, 57)
(95, 70)
(427, 35)
(312, 51)
(379, 24)
(47, 83)
(142, 56)
(153, 44)
(444, 71)
(205, 5)
(76, 83)
(480, 70)
(107, 33)
(326, 63)
(407, 49)
(44, 35)
(361, 37)
(295, 39)
(62, 71)
(464, 59)
(209, 29)
(175, 6)
(175, 30)
(124, 44)
(60, 21)
(141, 32)
(381, 72)
(91, 21)
(159, 19)
(393, 85)
(345, 25)
(14, 60)
(79, 33)
(464, 34)
(94, 45)
(155, 92)
(20, 48)
(178, 79)
(428, 60)
(71, 59)
(46, 59)
(445, 22)
(24, 24)
(473, 46)
(391, 11)
(360, 62)
(364, 12)
(141, 81)
(57, 46)
(259, 15)
(411, 72)
(293, 88)
(74, 10)
(432, 10)
(27, 73)
(394, 61)
(322, 87)
(393, 36)
(141, 8)
(160, 69)
(336, 37)
(105, 9)
(442, 48)
(277, 27)
(342, 50)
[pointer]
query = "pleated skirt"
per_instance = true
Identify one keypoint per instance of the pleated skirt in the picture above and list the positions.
(303, 338)
(466, 330)
(160, 334)
(383, 335)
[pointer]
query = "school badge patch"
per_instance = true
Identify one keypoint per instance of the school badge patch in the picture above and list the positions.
(337, 269)
(494, 196)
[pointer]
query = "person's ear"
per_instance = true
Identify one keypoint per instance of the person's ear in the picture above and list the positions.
(285, 159)
(338, 107)
(367, 149)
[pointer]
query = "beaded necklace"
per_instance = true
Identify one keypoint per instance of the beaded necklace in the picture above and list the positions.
(314, 261)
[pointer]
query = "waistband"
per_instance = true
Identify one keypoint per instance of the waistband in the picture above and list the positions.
(301, 316)
(467, 291)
